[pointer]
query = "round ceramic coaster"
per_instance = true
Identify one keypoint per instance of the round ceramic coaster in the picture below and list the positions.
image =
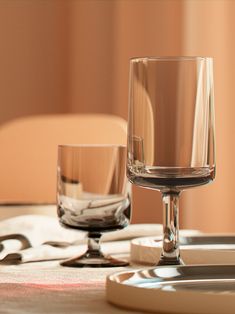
(195, 249)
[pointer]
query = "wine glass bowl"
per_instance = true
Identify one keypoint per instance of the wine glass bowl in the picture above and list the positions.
(93, 195)
(171, 133)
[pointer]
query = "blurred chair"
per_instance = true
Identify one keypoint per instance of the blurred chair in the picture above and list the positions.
(28, 155)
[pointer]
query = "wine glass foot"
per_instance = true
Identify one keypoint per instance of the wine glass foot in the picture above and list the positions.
(81, 262)
(170, 261)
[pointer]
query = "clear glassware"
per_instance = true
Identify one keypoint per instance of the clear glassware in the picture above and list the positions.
(171, 144)
(93, 195)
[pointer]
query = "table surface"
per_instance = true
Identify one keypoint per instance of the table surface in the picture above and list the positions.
(47, 287)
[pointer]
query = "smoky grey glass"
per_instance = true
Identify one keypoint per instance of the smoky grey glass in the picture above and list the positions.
(94, 196)
(171, 141)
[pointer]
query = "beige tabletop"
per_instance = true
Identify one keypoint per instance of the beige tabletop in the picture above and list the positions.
(47, 287)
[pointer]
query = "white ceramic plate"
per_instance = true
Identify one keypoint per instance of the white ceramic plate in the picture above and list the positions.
(175, 289)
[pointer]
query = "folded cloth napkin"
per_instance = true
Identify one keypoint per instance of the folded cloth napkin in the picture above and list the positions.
(41, 230)
(47, 252)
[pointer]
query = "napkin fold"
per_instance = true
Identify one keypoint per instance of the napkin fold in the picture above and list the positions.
(39, 230)
(48, 253)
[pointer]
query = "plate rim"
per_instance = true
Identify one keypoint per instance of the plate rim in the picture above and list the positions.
(157, 300)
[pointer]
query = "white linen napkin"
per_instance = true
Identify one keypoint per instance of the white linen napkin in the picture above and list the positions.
(40, 229)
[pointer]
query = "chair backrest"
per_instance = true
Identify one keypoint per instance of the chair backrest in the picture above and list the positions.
(28, 150)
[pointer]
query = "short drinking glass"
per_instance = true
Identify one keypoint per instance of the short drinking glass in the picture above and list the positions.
(93, 195)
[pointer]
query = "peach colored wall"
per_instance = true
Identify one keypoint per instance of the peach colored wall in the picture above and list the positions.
(33, 57)
(91, 56)
(210, 31)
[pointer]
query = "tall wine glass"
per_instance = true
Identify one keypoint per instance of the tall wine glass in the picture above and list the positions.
(171, 133)
(93, 195)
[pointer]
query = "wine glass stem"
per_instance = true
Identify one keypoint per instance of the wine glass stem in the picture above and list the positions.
(170, 249)
(93, 249)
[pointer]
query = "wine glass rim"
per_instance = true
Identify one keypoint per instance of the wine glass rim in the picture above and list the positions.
(170, 58)
(91, 145)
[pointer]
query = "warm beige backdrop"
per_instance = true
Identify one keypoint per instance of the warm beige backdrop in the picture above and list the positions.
(73, 56)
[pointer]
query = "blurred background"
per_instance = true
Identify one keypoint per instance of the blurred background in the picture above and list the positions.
(68, 56)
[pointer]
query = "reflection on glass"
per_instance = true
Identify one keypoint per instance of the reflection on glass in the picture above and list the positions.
(93, 195)
(171, 133)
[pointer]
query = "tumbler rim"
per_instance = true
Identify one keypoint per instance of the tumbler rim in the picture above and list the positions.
(91, 145)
